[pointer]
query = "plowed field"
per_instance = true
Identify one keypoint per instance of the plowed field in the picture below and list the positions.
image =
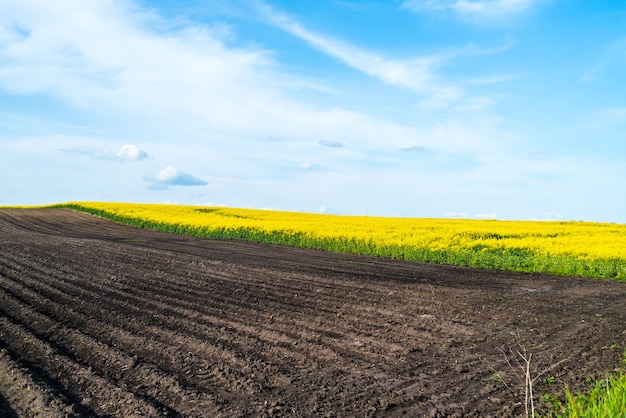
(104, 320)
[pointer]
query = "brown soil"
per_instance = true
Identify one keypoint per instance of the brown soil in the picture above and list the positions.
(104, 320)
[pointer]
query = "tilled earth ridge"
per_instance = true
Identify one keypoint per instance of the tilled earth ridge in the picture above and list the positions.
(104, 320)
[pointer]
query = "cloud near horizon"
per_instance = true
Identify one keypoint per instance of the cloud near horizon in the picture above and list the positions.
(171, 176)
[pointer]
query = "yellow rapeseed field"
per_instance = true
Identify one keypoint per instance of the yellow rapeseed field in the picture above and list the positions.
(573, 248)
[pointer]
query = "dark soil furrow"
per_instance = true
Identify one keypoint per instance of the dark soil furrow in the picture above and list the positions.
(104, 361)
(109, 289)
(145, 341)
(107, 301)
(27, 394)
(79, 322)
(109, 320)
(93, 395)
(155, 319)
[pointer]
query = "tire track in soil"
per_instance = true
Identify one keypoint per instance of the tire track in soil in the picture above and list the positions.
(106, 320)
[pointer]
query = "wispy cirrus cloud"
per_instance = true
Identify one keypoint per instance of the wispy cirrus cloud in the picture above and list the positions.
(472, 9)
(189, 77)
(113, 56)
(415, 74)
(608, 56)
(613, 115)
(421, 74)
(182, 77)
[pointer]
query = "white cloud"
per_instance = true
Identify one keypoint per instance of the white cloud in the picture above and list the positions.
(486, 216)
(465, 215)
(415, 74)
(329, 143)
(171, 176)
(549, 217)
(457, 215)
(213, 204)
(203, 101)
(130, 153)
(418, 74)
(127, 152)
(104, 57)
(473, 9)
(327, 210)
(108, 56)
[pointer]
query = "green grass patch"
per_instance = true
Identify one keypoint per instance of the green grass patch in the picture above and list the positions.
(607, 399)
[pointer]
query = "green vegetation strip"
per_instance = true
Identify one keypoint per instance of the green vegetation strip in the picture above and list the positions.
(510, 259)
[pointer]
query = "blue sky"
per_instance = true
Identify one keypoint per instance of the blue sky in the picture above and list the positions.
(508, 109)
